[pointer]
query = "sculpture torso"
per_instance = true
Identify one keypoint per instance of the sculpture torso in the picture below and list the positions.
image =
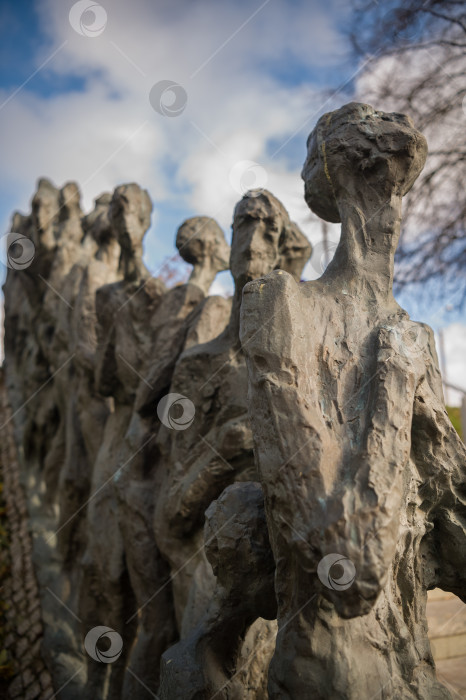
(321, 374)
(342, 387)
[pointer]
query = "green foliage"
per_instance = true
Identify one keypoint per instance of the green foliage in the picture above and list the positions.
(454, 413)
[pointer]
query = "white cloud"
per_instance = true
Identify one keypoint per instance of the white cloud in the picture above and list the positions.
(108, 133)
(105, 132)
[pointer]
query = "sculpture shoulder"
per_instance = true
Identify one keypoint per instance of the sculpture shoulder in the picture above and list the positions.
(277, 283)
(268, 303)
(208, 321)
(177, 303)
(154, 289)
(416, 342)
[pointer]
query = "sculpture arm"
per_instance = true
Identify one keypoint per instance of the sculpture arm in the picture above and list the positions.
(371, 501)
(440, 456)
(222, 453)
(290, 436)
(159, 375)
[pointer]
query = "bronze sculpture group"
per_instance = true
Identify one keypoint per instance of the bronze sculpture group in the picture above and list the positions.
(255, 493)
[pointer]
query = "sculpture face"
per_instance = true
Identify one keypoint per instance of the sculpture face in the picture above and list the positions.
(357, 144)
(97, 222)
(199, 239)
(257, 225)
(45, 209)
(70, 202)
(130, 211)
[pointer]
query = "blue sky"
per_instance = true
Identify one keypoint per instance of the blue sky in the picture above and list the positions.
(114, 70)
(76, 107)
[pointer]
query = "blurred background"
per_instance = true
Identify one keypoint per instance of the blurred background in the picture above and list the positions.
(199, 101)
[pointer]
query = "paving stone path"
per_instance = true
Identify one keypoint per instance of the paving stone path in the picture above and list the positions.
(23, 673)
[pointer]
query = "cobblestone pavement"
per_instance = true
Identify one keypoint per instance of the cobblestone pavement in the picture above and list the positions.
(23, 674)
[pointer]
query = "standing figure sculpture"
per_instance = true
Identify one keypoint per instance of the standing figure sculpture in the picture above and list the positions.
(226, 655)
(30, 302)
(200, 242)
(71, 256)
(199, 463)
(96, 264)
(216, 450)
(362, 472)
(136, 482)
(122, 310)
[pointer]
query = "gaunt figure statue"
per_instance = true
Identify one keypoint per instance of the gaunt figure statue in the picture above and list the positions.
(362, 471)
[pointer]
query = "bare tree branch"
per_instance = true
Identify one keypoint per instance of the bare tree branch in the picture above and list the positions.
(420, 68)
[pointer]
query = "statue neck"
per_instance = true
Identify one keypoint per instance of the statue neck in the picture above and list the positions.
(364, 259)
(203, 276)
(233, 325)
(132, 266)
(109, 254)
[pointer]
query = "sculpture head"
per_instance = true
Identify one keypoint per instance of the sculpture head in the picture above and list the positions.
(259, 221)
(130, 211)
(45, 210)
(97, 223)
(356, 147)
(200, 242)
(70, 202)
(69, 230)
